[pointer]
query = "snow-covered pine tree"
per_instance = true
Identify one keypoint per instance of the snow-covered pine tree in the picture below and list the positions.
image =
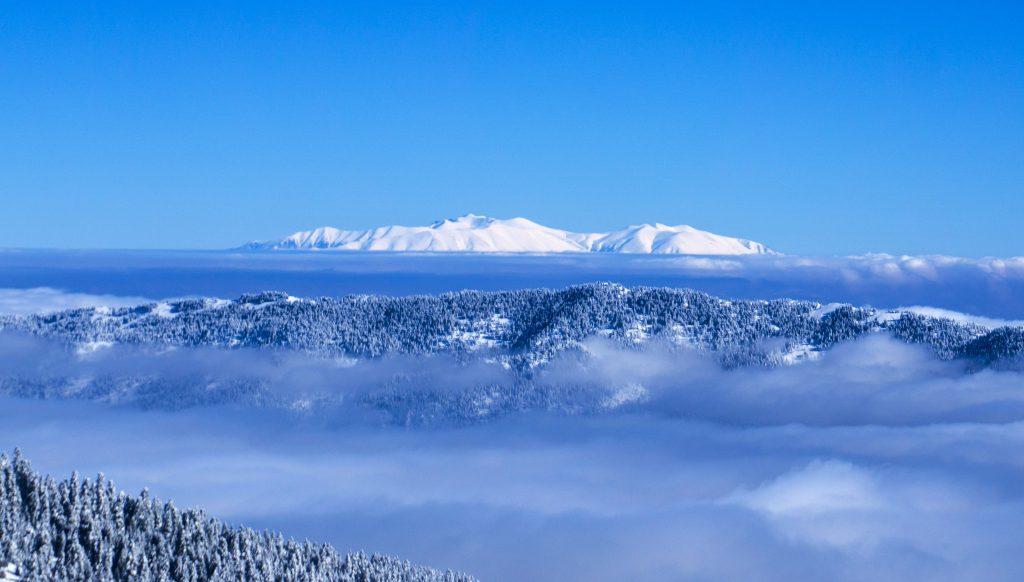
(80, 530)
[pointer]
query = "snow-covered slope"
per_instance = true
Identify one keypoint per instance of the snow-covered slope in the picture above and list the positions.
(472, 233)
(679, 240)
(171, 354)
(530, 326)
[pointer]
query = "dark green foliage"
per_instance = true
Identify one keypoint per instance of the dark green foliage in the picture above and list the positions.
(947, 338)
(1003, 346)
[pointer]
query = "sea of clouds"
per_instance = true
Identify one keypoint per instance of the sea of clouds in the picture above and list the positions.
(990, 287)
(874, 462)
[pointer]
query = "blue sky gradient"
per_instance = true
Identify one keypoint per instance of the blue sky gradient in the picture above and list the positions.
(817, 129)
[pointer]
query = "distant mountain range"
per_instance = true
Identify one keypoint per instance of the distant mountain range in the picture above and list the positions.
(482, 234)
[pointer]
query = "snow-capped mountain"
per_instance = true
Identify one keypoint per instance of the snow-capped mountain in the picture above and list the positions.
(482, 234)
(674, 240)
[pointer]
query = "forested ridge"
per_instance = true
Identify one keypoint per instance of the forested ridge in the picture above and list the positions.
(81, 529)
(271, 350)
(526, 327)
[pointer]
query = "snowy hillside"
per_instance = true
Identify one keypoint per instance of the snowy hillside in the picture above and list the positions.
(481, 234)
(525, 327)
(88, 530)
(454, 358)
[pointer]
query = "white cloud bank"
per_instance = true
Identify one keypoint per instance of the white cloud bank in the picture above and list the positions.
(989, 322)
(48, 300)
(990, 287)
(875, 462)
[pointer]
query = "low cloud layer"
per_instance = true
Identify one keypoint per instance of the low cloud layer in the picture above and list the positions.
(641, 498)
(876, 380)
(989, 287)
(874, 462)
(989, 322)
(38, 300)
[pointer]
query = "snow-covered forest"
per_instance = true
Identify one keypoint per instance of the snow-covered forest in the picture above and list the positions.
(453, 358)
(525, 328)
(82, 530)
(599, 431)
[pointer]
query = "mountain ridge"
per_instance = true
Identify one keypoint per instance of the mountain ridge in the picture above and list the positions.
(472, 233)
(158, 355)
(530, 325)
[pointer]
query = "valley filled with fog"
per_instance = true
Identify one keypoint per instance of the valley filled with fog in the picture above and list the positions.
(604, 431)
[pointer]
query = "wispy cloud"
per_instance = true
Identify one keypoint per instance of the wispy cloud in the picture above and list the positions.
(47, 300)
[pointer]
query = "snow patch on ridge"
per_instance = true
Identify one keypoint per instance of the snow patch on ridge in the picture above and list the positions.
(628, 394)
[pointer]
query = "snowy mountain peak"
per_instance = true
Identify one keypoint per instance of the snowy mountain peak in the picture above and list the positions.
(484, 234)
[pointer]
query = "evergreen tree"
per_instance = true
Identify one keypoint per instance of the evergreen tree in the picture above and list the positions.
(81, 530)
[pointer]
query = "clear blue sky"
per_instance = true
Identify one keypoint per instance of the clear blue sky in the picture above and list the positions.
(883, 126)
